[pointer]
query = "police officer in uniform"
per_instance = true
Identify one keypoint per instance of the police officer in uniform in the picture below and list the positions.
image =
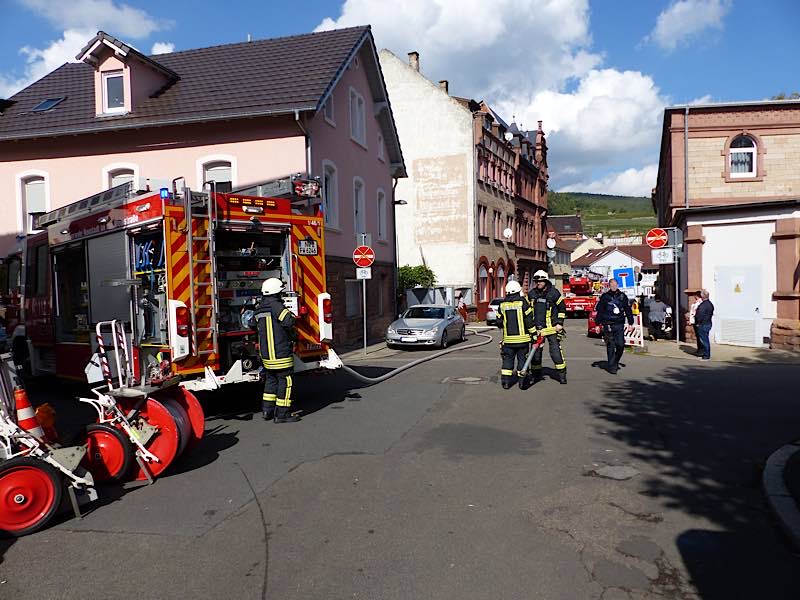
(515, 318)
(275, 325)
(549, 313)
(613, 309)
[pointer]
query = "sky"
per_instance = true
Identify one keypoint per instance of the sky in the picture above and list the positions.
(598, 74)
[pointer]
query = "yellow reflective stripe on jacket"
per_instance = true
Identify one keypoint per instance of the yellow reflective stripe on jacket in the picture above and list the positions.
(520, 336)
(270, 339)
(278, 363)
(283, 314)
(562, 314)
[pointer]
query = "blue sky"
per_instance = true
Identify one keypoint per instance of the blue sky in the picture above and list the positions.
(597, 73)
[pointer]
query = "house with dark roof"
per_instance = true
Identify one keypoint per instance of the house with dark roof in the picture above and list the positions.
(237, 114)
(604, 261)
(568, 227)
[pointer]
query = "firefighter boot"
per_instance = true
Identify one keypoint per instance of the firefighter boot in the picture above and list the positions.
(283, 415)
(268, 410)
(537, 376)
(562, 377)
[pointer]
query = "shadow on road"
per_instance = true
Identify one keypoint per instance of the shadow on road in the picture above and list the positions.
(709, 432)
(459, 440)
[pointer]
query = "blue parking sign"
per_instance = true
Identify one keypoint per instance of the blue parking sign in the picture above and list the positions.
(625, 277)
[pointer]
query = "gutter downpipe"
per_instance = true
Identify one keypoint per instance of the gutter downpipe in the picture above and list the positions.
(395, 181)
(677, 319)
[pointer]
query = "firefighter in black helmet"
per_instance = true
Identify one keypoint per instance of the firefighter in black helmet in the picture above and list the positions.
(515, 317)
(275, 325)
(549, 313)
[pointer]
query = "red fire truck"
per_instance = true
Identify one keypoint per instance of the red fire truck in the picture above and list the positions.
(579, 296)
(179, 269)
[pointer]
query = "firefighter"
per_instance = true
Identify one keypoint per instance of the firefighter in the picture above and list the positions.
(515, 317)
(275, 325)
(549, 313)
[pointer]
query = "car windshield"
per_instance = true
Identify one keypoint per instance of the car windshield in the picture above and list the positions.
(424, 312)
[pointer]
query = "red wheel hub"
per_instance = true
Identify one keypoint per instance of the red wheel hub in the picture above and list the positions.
(27, 495)
(164, 444)
(105, 455)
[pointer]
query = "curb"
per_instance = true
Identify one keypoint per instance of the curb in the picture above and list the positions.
(778, 496)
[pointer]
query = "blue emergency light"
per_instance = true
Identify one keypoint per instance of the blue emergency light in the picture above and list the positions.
(164, 193)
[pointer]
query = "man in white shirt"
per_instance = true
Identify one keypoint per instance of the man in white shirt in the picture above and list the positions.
(692, 311)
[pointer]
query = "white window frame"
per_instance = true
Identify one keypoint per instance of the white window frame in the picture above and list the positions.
(752, 151)
(329, 107)
(104, 77)
(360, 118)
(331, 216)
(24, 224)
(380, 200)
(105, 181)
(381, 148)
(359, 208)
(200, 168)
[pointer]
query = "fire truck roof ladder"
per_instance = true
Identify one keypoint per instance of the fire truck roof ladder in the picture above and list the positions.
(202, 281)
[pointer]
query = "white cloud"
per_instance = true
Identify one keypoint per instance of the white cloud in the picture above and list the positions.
(630, 182)
(531, 60)
(162, 48)
(116, 18)
(685, 20)
(40, 61)
(81, 19)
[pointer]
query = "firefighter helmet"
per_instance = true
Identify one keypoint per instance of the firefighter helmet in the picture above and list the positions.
(271, 286)
(540, 276)
(513, 287)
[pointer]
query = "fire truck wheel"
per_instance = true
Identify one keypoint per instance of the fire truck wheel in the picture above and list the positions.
(164, 443)
(109, 452)
(30, 494)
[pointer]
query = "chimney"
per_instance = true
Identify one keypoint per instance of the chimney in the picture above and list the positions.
(445, 85)
(413, 60)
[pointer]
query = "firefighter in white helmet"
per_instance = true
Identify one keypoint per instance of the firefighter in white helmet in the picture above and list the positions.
(275, 325)
(515, 318)
(549, 312)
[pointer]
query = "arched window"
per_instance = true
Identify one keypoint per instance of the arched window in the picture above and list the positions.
(743, 155)
(219, 171)
(483, 284)
(330, 193)
(119, 176)
(500, 273)
(33, 199)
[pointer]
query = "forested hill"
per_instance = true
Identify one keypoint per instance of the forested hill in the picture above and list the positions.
(601, 213)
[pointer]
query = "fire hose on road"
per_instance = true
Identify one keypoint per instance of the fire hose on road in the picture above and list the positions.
(373, 380)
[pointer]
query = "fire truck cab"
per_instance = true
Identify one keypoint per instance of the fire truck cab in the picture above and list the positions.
(180, 270)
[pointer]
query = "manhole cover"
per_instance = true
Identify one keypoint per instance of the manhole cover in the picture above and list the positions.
(464, 380)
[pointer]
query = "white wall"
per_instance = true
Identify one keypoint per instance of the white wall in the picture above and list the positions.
(743, 244)
(438, 223)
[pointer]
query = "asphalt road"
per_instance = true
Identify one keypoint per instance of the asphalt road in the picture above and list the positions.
(432, 486)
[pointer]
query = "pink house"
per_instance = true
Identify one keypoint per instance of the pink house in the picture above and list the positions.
(237, 114)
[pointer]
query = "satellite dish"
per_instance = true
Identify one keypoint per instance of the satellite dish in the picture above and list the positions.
(507, 233)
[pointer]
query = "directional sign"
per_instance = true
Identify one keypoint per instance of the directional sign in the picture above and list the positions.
(363, 256)
(663, 256)
(625, 277)
(656, 238)
(364, 273)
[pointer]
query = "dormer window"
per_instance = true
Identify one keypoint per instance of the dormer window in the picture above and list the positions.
(113, 92)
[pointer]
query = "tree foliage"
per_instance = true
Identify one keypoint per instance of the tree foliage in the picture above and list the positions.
(419, 276)
(785, 96)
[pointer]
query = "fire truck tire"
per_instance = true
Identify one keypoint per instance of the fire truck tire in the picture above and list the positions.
(164, 444)
(109, 453)
(30, 494)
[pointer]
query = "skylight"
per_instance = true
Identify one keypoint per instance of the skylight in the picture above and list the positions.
(47, 104)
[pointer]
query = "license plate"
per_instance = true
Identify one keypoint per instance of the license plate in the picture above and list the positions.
(408, 339)
(307, 248)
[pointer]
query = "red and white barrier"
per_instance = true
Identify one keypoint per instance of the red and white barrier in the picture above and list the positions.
(636, 337)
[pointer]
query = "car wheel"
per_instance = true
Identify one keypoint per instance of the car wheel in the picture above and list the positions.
(463, 333)
(444, 339)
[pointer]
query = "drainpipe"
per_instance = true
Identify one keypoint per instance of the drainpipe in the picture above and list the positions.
(308, 141)
(686, 157)
(395, 307)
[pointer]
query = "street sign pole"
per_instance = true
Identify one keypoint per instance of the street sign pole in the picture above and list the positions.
(676, 314)
(364, 298)
(363, 257)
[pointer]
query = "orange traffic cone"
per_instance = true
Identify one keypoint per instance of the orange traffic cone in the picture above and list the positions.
(26, 418)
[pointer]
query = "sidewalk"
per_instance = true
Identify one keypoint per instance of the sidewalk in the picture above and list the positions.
(723, 353)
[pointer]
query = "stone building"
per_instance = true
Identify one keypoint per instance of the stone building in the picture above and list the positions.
(728, 178)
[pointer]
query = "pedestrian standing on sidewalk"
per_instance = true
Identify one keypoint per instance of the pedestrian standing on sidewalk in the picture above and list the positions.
(613, 309)
(692, 312)
(702, 321)
(657, 318)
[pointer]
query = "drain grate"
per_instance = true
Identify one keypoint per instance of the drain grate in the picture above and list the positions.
(465, 380)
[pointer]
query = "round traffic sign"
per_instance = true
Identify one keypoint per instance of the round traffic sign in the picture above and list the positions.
(656, 238)
(363, 256)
